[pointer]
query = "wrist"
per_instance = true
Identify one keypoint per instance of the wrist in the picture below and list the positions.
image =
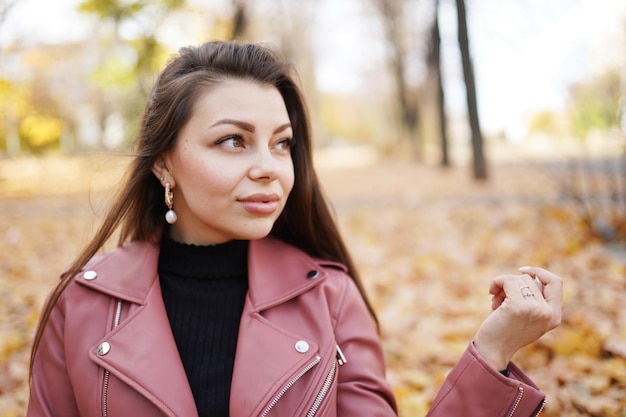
(494, 359)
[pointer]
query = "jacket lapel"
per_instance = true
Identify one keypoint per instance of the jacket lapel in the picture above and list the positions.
(142, 352)
(277, 273)
(266, 362)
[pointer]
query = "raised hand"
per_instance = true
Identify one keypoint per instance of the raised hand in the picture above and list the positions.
(523, 311)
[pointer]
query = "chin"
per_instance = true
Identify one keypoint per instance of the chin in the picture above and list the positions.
(254, 234)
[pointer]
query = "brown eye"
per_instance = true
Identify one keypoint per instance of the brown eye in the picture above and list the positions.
(285, 144)
(233, 142)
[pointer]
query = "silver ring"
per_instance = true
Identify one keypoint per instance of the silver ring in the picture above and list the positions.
(529, 294)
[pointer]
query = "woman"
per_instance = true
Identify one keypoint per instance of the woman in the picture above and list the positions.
(244, 301)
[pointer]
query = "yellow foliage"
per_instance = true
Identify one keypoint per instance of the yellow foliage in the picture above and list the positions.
(41, 130)
(616, 369)
(11, 413)
(11, 343)
(411, 402)
(117, 71)
(572, 341)
(13, 99)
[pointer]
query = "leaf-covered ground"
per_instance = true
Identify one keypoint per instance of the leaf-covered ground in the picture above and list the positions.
(427, 242)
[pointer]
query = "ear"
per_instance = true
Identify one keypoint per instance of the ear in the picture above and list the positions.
(159, 169)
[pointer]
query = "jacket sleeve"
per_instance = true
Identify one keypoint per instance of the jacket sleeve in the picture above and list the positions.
(51, 391)
(475, 389)
(362, 386)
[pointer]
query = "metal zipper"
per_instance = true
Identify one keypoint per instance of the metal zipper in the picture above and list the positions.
(322, 394)
(341, 358)
(289, 384)
(107, 373)
(520, 393)
(543, 404)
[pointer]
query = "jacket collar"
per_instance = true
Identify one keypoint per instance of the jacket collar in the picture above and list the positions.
(128, 272)
(278, 272)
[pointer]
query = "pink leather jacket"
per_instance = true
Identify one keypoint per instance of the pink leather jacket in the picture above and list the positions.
(307, 347)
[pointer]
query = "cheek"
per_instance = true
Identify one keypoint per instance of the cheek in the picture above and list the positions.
(289, 178)
(199, 176)
(213, 182)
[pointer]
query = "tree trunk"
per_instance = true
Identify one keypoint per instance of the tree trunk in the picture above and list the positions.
(391, 12)
(240, 20)
(435, 64)
(479, 163)
(14, 147)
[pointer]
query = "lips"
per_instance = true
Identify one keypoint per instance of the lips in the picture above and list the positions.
(260, 203)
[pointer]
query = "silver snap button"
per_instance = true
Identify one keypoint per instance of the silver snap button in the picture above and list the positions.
(302, 346)
(104, 348)
(312, 274)
(89, 275)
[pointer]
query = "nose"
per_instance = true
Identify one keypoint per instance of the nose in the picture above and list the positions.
(265, 165)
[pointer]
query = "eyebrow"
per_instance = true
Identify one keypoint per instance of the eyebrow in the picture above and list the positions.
(247, 126)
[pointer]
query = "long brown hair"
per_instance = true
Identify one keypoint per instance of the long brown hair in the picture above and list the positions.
(137, 211)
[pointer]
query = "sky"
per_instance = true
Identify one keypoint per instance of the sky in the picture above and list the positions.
(525, 53)
(528, 52)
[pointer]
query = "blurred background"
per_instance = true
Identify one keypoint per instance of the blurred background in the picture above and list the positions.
(456, 139)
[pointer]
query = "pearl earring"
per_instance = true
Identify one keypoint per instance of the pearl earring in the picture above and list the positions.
(170, 216)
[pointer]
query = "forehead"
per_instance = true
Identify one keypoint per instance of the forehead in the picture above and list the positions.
(236, 102)
(239, 96)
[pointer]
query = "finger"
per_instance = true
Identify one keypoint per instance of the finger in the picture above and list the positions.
(496, 289)
(502, 284)
(553, 286)
(497, 299)
(534, 285)
(545, 276)
(514, 287)
(529, 288)
(510, 285)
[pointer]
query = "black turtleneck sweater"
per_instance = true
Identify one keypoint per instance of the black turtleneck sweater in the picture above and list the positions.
(204, 288)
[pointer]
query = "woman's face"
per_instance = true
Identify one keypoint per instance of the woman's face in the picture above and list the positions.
(231, 169)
